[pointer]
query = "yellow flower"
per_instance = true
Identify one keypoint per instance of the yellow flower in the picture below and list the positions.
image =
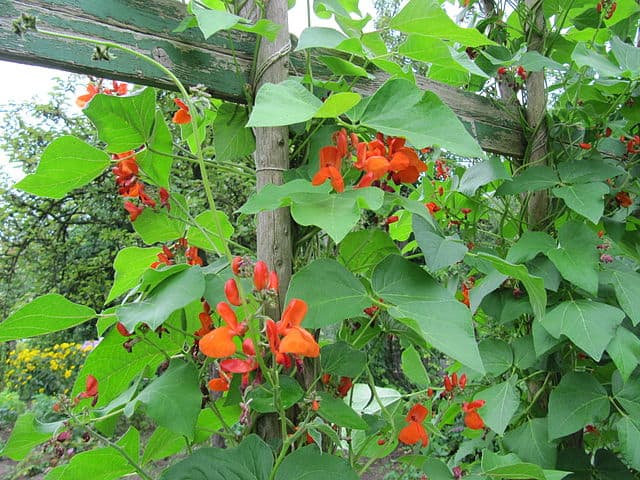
(67, 373)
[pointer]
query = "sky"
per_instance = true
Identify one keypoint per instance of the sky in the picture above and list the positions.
(21, 83)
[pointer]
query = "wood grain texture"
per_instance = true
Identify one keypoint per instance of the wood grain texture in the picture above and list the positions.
(221, 63)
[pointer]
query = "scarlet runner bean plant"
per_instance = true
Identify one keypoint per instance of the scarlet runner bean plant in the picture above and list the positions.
(531, 317)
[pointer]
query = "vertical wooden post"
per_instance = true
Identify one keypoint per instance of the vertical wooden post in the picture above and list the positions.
(536, 154)
(272, 151)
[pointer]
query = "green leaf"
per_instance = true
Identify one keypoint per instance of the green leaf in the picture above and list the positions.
(627, 394)
(213, 21)
(584, 57)
(363, 401)
(284, 103)
(591, 170)
(503, 401)
(341, 67)
(360, 251)
(577, 401)
(577, 257)
(627, 56)
(115, 368)
(532, 179)
(394, 107)
(263, 27)
(436, 469)
(427, 308)
(251, 460)
(336, 214)
(309, 463)
(427, 17)
(162, 443)
(173, 399)
(341, 359)
(509, 467)
(172, 294)
(482, 173)
(337, 104)
(497, 356)
(25, 435)
(624, 350)
(123, 123)
(100, 463)
(231, 138)
(66, 164)
(129, 265)
(205, 234)
(587, 199)
(413, 367)
(331, 292)
(334, 410)
(157, 226)
(155, 162)
(529, 245)
(534, 285)
(46, 314)
(542, 340)
(590, 325)
(530, 441)
(627, 287)
(629, 436)
(275, 196)
(262, 397)
(319, 37)
(438, 252)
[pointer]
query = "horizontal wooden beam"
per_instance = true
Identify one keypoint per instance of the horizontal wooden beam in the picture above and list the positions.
(222, 63)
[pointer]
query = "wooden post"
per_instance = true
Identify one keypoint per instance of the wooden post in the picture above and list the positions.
(272, 151)
(538, 207)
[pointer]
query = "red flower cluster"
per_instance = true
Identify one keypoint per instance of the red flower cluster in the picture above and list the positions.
(93, 89)
(441, 171)
(167, 255)
(633, 143)
(383, 157)
(415, 432)
(623, 199)
(130, 185)
(604, 5)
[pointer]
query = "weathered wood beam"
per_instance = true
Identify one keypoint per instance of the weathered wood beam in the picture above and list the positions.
(221, 63)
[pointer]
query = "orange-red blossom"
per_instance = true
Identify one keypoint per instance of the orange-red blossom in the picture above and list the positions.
(472, 418)
(219, 342)
(415, 432)
(288, 337)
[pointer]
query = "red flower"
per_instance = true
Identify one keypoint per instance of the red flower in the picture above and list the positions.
(260, 275)
(90, 391)
(134, 211)
(330, 165)
(219, 384)
(182, 116)
(123, 330)
(344, 386)
(219, 342)
(521, 72)
(164, 198)
(623, 199)
(472, 418)
(391, 219)
(465, 211)
(192, 256)
(433, 208)
(232, 293)
(585, 146)
(296, 340)
(274, 282)
(92, 91)
(236, 263)
(502, 70)
(415, 432)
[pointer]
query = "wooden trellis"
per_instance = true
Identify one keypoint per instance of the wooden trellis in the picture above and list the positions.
(222, 63)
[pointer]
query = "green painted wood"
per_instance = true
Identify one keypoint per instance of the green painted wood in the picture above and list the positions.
(221, 63)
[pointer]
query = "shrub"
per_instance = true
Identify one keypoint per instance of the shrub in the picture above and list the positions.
(50, 370)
